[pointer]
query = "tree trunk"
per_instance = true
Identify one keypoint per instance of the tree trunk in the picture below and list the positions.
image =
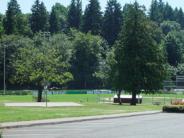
(119, 97)
(40, 90)
(133, 102)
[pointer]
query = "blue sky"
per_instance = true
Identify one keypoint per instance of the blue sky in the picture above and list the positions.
(27, 4)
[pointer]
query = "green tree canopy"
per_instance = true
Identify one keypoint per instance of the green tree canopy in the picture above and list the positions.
(12, 18)
(174, 47)
(139, 57)
(43, 61)
(179, 16)
(75, 14)
(58, 18)
(168, 26)
(92, 18)
(157, 11)
(85, 62)
(9, 47)
(112, 21)
(39, 17)
(1, 26)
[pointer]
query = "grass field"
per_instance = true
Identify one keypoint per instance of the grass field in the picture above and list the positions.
(92, 106)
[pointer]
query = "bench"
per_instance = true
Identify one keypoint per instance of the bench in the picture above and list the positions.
(127, 99)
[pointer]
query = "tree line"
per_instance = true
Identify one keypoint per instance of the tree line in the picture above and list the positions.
(121, 48)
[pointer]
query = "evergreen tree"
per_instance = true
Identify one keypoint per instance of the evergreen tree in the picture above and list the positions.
(11, 19)
(71, 14)
(168, 12)
(180, 17)
(1, 26)
(139, 58)
(39, 17)
(112, 21)
(75, 14)
(92, 19)
(78, 13)
(57, 19)
(55, 25)
(175, 13)
(157, 11)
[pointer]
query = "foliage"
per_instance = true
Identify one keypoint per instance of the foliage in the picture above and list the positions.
(112, 21)
(173, 109)
(171, 72)
(180, 69)
(174, 47)
(39, 17)
(169, 26)
(86, 59)
(9, 45)
(75, 14)
(161, 11)
(139, 57)
(57, 18)
(102, 65)
(156, 11)
(42, 62)
(12, 18)
(1, 26)
(92, 18)
(179, 16)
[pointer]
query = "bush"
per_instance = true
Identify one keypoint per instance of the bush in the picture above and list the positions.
(16, 92)
(173, 109)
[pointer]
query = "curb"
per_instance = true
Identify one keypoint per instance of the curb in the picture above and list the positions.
(72, 120)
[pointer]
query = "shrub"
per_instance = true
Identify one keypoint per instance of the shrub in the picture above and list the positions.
(173, 108)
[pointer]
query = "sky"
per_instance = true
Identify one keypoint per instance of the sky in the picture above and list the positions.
(27, 4)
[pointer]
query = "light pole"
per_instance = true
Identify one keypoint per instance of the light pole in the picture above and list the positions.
(46, 83)
(4, 69)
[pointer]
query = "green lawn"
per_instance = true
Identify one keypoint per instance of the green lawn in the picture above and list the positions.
(91, 107)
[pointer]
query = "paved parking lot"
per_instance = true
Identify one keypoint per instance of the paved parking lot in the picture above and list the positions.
(149, 126)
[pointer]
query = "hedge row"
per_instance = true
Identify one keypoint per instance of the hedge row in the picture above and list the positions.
(173, 108)
(16, 92)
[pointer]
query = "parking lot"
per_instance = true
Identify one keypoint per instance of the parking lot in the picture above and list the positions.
(148, 126)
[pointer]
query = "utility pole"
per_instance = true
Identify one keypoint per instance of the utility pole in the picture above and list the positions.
(4, 69)
(46, 83)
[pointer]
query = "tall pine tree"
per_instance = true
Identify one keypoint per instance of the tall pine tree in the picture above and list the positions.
(10, 22)
(139, 57)
(55, 25)
(75, 14)
(112, 21)
(39, 17)
(157, 11)
(92, 19)
(168, 12)
(1, 26)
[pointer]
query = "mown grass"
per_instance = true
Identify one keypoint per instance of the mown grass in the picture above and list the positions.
(92, 106)
(8, 114)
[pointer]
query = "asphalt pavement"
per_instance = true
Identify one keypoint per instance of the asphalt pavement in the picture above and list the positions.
(162, 125)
